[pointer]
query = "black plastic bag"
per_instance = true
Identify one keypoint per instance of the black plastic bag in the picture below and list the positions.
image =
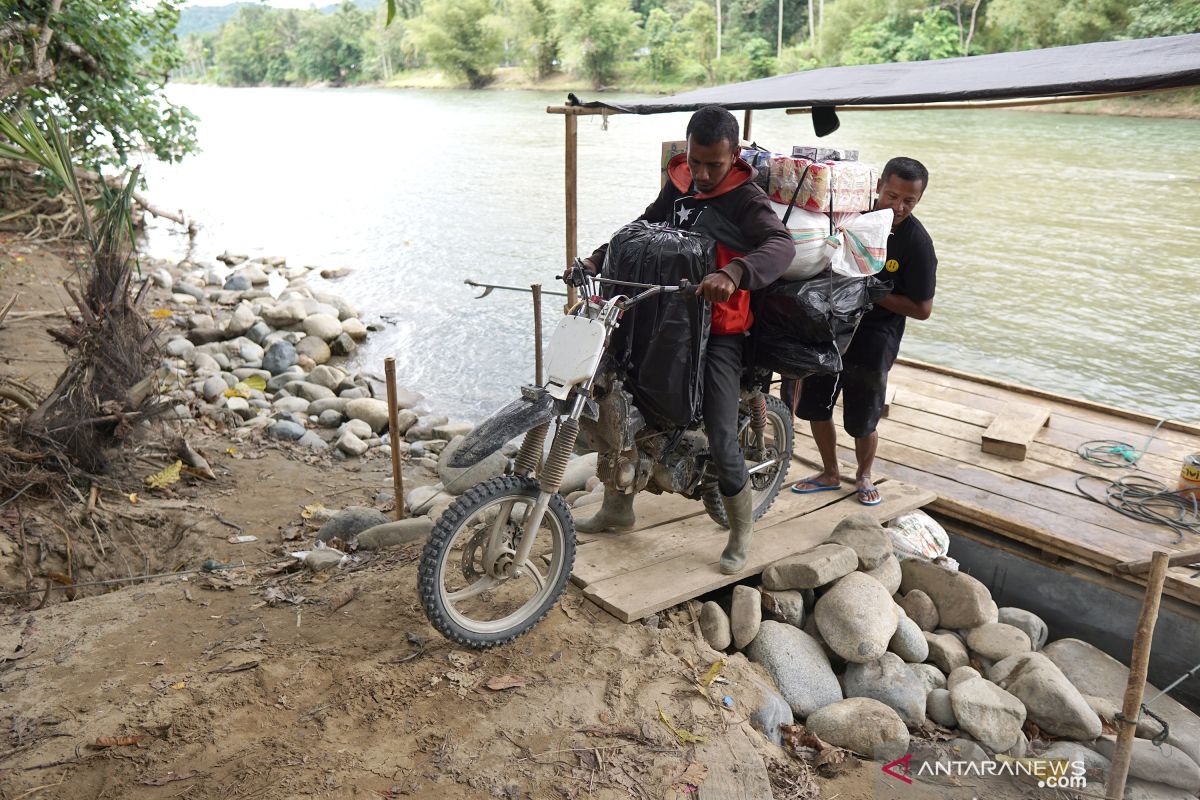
(661, 341)
(802, 327)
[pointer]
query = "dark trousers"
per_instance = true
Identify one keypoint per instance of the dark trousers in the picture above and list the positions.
(722, 391)
(863, 391)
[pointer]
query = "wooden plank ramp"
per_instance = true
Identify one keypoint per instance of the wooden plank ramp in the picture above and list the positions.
(1013, 429)
(634, 575)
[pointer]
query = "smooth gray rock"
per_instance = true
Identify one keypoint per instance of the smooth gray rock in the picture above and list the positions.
(458, 480)
(1027, 621)
(420, 499)
(258, 332)
(315, 348)
(857, 618)
(578, 471)
(1094, 672)
(714, 625)
(946, 651)
(991, 715)
(309, 391)
(745, 615)
(1051, 701)
(823, 564)
(349, 522)
(322, 559)
(394, 534)
(1138, 789)
(319, 407)
(180, 348)
(861, 725)
(279, 356)
(967, 750)
(920, 609)
(451, 429)
(863, 534)
(291, 405)
(237, 282)
(908, 642)
(1160, 764)
(343, 345)
(423, 429)
(285, 429)
(996, 641)
(313, 442)
(931, 676)
(940, 710)
(354, 328)
(329, 418)
(962, 601)
(240, 406)
(889, 681)
(1095, 765)
(323, 327)
(213, 388)
(797, 664)
(785, 605)
(772, 712)
(351, 445)
(961, 674)
(369, 410)
(356, 426)
(888, 574)
(184, 287)
(326, 376)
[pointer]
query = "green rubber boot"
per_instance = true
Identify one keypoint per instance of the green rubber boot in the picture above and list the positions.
(615, 515)
(739, 509)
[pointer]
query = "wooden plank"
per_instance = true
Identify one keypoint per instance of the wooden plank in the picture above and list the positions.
(735, 769)
(693, 570)
(651, 511)
(613, 555)
(889, 397)
(1013, 429)
(1186, 558)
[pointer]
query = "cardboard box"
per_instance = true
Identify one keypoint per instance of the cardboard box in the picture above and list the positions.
(669, 151)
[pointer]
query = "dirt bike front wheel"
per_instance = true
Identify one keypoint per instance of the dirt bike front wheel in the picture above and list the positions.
(470, 587)
(766, 483)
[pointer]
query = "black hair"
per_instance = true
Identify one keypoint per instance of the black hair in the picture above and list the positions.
(906, 169)
(713, 124)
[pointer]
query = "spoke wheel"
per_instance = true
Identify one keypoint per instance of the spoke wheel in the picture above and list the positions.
(778, 438)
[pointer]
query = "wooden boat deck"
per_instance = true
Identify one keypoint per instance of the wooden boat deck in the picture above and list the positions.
(933, 437)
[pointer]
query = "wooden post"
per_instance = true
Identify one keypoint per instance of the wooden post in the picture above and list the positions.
(719, 30)
(389, 373)
(779, 31)
(1139, 663)
(747, 118)
(572, 188)
(537, 334)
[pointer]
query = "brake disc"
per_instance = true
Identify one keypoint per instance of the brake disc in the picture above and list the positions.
(476, 548)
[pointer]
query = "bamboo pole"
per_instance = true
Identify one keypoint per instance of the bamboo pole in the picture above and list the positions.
(389, 373)
(1139, 663)
(981, 104)
(537, 334)
(747, 118)
(572, 194)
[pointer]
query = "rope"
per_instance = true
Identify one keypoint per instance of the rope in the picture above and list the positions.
(1148, 500)
(1114, 453)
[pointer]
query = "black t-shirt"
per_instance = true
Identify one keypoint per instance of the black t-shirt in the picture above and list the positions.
(911, 269)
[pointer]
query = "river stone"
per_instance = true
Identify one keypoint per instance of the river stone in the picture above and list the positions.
(1160, 764)
(241, 321)
(962, 601)
(162, 279)
(458, 480)
(995, 641)
(279, 356)
(214, 387)
(930, 675)
(258, 332)
(1027, 621)
(349, 522)
(322, 559)
(315, 348)
(309, 391)
(772, 712)
(991, 715)
(939, 708)
(423, 429)
(1094, 672)
(419, 500)
(887, 573)
(863, 534)
(787, 606)
(189, 289)
(328, 377)
(357, 427)
(354, 328)
(180, 348)
(908, 642)
(452, 429)
(343, 345)
(967, 750)
(1097, 766)
(337, 404)
(946, 651)
(960, 674)
(889, 681)
(405, 419)
(285, 429)
(810, 627)
(291, 405)
(368, 409)
(745, 615)
(857, 618)
(249, 352)
(313, 442)
(237, 282)
(351, 445)
(323, 327)
(823, 564)
(239, 406)
(798, 665)
(329, 418)
(920, 609)
(578, 471)
(1050, 700)
(1107, 710)
(861, 725)
(396, 533)
(714, 624)
(1138, 789)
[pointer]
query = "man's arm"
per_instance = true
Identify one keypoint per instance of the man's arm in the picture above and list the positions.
(920, 281)
(773, 246)
(658, 211)
(906, 306)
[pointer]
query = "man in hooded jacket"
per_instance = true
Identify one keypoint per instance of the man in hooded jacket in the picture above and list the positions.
(710, 190)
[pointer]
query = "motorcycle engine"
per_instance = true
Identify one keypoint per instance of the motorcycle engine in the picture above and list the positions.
(679, 470)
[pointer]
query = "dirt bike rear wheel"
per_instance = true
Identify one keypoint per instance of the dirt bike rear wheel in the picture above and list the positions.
(462, 596)
(766, 484)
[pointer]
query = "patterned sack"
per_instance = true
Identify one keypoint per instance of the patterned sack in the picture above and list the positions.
(858, 245)
(918, 535)
(809, 231)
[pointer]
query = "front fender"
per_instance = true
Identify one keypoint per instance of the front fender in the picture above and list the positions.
(503, 426)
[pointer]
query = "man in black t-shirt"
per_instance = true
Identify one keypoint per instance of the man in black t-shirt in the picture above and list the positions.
(911, 269)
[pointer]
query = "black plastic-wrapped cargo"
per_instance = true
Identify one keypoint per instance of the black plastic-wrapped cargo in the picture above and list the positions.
(801, 328)
(662, 341)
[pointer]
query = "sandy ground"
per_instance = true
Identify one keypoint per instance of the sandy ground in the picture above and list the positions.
(272, 682)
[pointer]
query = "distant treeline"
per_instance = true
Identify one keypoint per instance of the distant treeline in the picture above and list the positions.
(627, 42)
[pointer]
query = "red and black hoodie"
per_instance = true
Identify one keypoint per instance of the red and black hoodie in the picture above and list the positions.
(753, 246)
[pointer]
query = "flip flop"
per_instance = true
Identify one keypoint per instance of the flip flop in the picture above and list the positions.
(862, 498)
(816, 487)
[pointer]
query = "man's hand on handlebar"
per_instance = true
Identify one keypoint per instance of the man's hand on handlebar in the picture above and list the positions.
(716, 287)
(577, 273)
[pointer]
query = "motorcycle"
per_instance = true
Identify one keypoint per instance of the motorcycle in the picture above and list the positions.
(499, 558)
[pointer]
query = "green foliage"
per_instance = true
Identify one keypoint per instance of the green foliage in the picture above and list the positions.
(700, 25)
(1164, 18)
(1028, 24)
(331, 47)
(111, 63)
(255, 48)
(538, 37)
(598, 34)
(934, 35)
(662, 40)
(461, 37)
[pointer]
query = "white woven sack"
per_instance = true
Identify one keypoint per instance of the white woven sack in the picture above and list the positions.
(918, 535)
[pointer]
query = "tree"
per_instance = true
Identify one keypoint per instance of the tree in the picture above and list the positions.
(537, 35)
(1029, 24)
(102, 67)
(934, 35)
(598, 33)
(385, 47)
(701, 26)
(330, 46)
(460, 37)
(256, 47)
(663, 43)
(1164, 18)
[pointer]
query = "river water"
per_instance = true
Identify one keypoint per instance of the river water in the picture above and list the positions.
(1068, 245)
